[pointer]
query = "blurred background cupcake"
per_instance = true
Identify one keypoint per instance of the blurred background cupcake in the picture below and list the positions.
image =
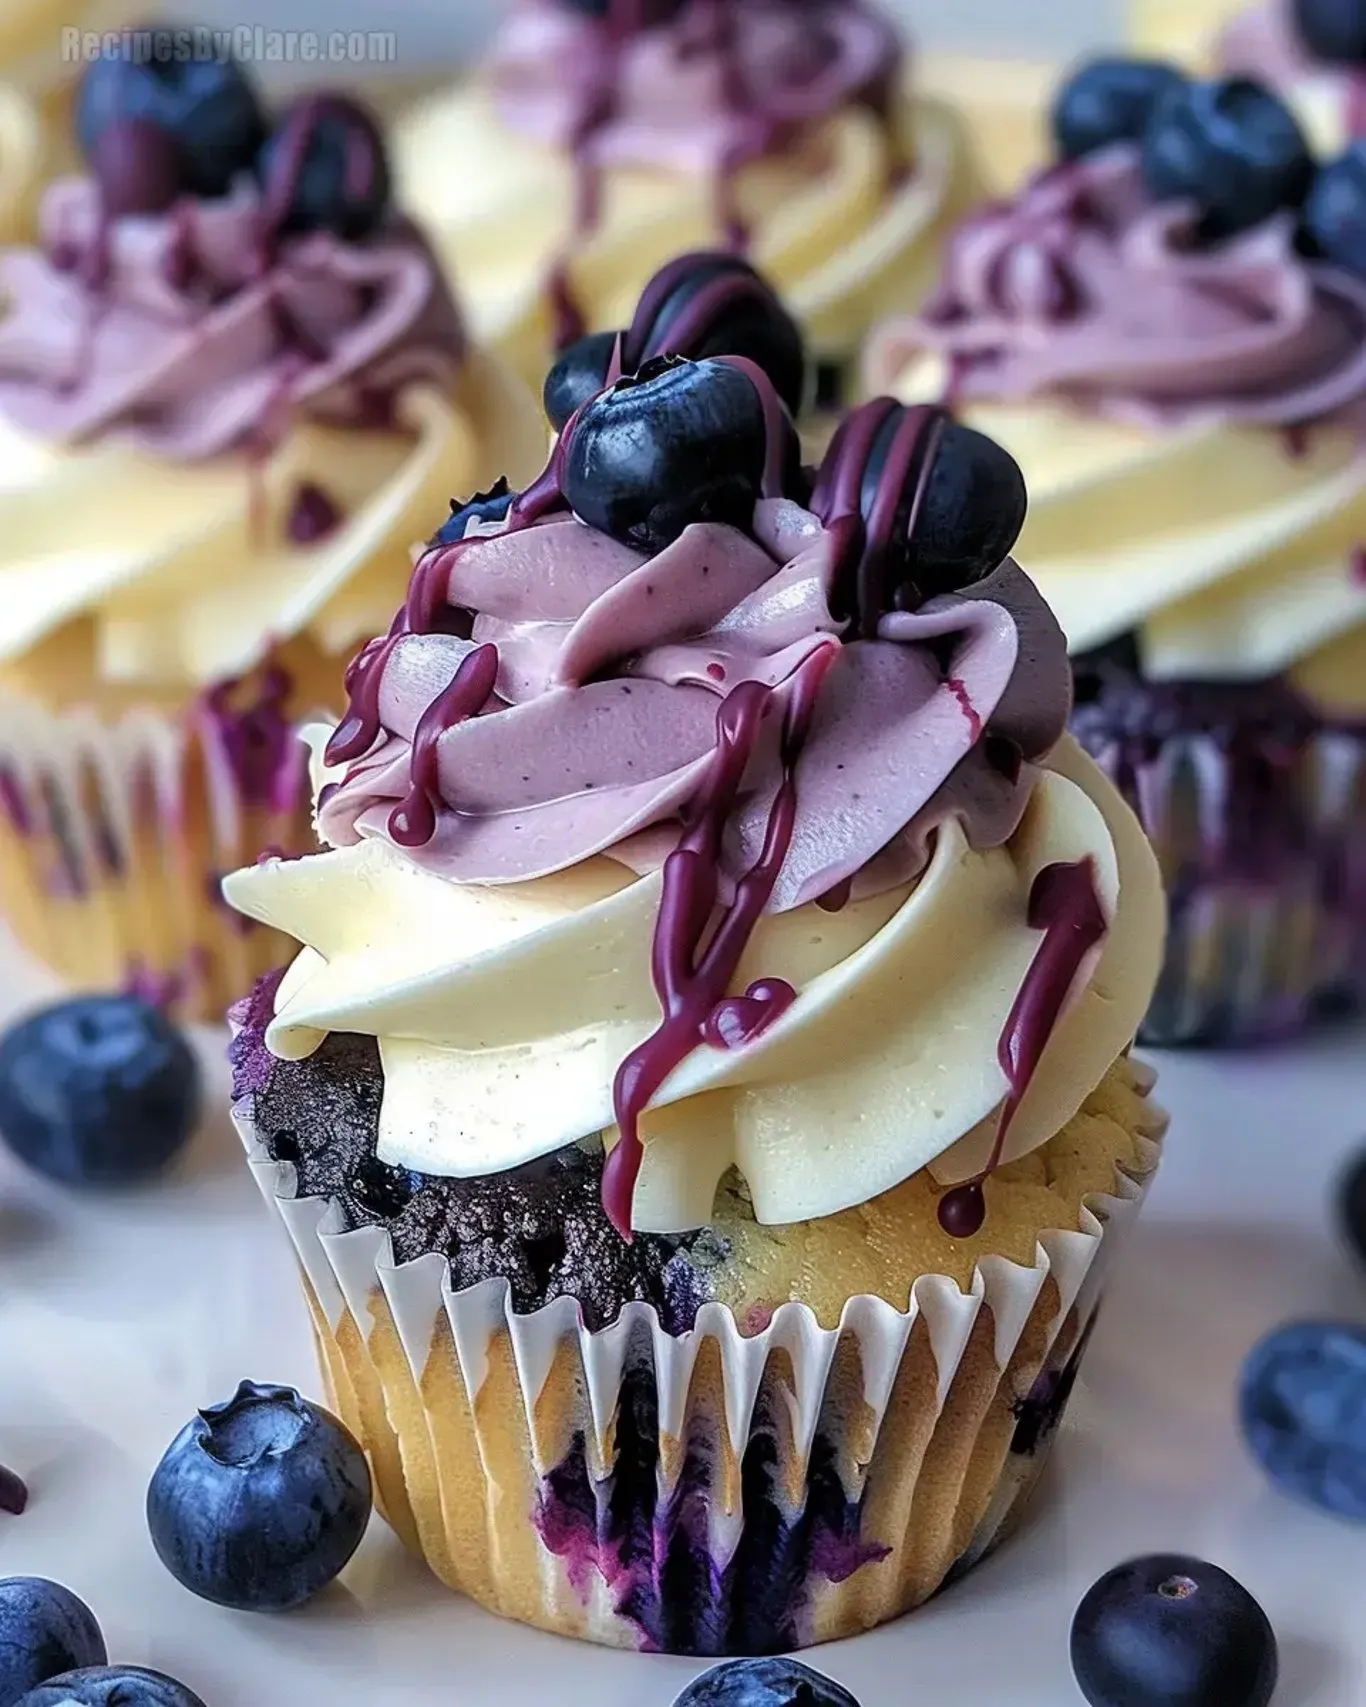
(23, 159)
(1175, 349)
(234, 388)
(641, 922)
(1181, 29)
(597, 141)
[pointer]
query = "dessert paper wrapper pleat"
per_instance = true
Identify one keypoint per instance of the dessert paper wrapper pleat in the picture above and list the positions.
(708, 1492)
(113, 839)
(1264, 862)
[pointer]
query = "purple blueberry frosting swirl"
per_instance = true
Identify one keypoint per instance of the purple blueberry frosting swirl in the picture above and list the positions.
(612, 666)
(200, 330)
(1085, 289)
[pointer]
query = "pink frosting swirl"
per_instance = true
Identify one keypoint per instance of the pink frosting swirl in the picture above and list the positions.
(611, 668)
(1084, 288)
(192, 333)
(721, 81)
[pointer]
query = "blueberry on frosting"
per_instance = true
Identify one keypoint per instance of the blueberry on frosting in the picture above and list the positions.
(677, 443)
(1230, 147)
(490, 506)
(1334, 221)
(325, 168)
(1334, 30)
(707, 304)
(1109, 100)
(208, 109)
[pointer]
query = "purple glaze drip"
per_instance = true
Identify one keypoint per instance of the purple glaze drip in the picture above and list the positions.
(1064, 904)
(14, 802)
(412, 823)
(137, 168)
(252, 729)
(740, 1019)
(691, 981)
(13, 1493)
(686, 330)
(313, 515)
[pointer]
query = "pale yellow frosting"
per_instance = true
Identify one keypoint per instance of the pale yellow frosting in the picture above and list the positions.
(1230, 549)
(21, 164)
(1180, 29)
(839, 247)
(184, 572)
(502, 1013)
(32, 40)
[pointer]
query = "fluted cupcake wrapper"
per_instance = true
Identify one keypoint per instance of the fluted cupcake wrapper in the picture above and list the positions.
(1264, 859)
(114, 837)
(708, 1492)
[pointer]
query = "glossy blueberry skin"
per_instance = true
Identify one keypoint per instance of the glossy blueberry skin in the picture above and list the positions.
(44, 1630)
(99, 1091)
(1169, 1631)
(488, 506)
(1302, 1406)
(112, 1686)
(579, 374)
(971, 514)
(259, 1502)
(210, 110)
(1232, 148)
(764, 1683)
(680, 442)
(1352, 1206)
(343, 182)
(1109, 100)
(1334, 30)
(1334, 220)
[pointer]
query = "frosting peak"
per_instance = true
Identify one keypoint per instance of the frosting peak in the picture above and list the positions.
(1085, 289)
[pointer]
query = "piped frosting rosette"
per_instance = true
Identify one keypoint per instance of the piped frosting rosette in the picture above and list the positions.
(733, 747)
(592, 149)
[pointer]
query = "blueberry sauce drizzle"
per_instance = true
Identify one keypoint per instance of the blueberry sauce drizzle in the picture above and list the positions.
(1065, 906)
(250, 726)
(412, 823)
(13, 1493)
(712, 27)
(313, 516)
(686, 331)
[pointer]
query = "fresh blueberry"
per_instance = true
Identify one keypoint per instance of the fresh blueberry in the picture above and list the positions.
(138, 167)
(1109, 100)
(44, 1630)
(1232, 148)
(490, 506)
(210, 110)
(112, 1686)
(579, 374)
(1352, 1205)
(679, 442)
(97, 1091)
(325, 168)
(1334, 30)
(764, 1683)
(259, 1502)
(1334, 218)
(1168, 1631)
(1302, 1405)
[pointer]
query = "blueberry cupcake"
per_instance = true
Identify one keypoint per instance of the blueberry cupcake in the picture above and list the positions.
(1173, 343)
(602, 137)
(1312, 52)
(701, 1105)
(233, 388)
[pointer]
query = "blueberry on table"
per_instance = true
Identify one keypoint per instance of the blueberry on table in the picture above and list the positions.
(1302, 1405)
(1230, 147)
(1334, 30)
(490, 506)
(1352, 1205)
(259, 1502)
(677, 443)
(764, 1683)
(112, 1686)
(325, 168)
(579, 374)
(44, 1630)
(1109, 100)
(1168, 1631)
(1333, 223)
(209, 110)
(98, 1091)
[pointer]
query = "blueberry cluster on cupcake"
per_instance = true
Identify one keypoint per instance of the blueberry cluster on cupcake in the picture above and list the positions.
(1311, 52)
(701, 1096)
(233, 385)
(599, 140)
(1168, 328)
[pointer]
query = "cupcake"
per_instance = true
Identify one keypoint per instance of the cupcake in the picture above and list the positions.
(1183, 29)
(602, 137)
(702, 1105)
(233, 388)
(22, 160)
(1312, 52)
(1185, 388)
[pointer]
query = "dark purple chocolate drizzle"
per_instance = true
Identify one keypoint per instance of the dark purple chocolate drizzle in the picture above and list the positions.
(13, 1493)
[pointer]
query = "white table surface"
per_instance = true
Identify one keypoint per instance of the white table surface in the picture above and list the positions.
(118, 1319)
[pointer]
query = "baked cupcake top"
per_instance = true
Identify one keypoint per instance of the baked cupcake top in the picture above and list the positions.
(1175, 287)
(697, 802)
